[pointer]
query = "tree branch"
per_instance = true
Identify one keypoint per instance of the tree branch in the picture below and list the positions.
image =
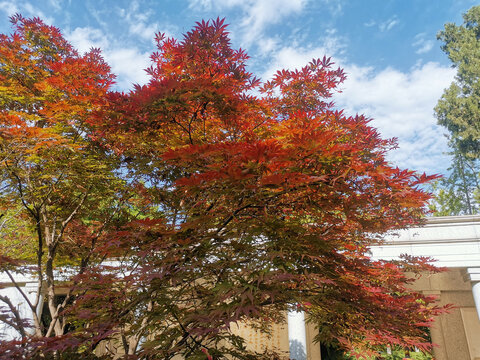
(18, 319)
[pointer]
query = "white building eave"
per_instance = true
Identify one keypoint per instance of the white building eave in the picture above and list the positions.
(453, 241)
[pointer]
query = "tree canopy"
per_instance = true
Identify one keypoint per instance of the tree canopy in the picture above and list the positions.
(458, 110)
(214, 198)
(59, 191)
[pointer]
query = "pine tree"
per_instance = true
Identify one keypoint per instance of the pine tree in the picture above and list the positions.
(458, 110)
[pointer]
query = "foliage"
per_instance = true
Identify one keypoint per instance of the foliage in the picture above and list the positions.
(383, 353)
(458, 108)
(459, 111)
(457, 194)
(57, 187)
(250, 199)
(446, 201)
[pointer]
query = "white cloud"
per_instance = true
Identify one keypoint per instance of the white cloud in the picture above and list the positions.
(422, 44)
(266, 12)
(267, 45)
(335, 7)
(26, 9)
(389, 24)
(128, 63)
(293, 58)
(97, 14)
(137, 21)
(30, 10)
(9, 7)
(256, 15)
(401, 104)
(259, 14)
(426, 47)
(83, 39)
(56, 4)
(207, 5)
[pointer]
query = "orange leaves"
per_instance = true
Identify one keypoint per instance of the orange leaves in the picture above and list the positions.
(306, 89)
(261, 164)
(197, 92)
(47, 93)
(42, 66)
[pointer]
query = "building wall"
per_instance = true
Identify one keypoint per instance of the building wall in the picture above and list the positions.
(453, 242)
(457, 333)
(260, 342)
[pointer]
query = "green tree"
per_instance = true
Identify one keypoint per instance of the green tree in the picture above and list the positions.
(459, 107)
(457, 194)
(458, 110)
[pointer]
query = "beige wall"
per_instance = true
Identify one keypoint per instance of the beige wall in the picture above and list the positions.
(256, 341)
(313, 349)
(457, 334)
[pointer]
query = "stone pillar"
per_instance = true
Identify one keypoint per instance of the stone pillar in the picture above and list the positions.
(296, 335)
(473, 274)
(313, 348)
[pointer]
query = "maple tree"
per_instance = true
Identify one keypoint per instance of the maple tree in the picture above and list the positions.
(59, 192)
(251, 199)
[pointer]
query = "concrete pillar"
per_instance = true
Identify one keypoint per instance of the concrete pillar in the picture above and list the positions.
(296, 335)
(473, 274)
(476, 296)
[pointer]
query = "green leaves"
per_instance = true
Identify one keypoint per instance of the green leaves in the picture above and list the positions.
(458, 108)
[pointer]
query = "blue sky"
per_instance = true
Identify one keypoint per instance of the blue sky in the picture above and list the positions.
(396, 70)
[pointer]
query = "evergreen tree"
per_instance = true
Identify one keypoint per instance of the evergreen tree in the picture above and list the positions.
(459, 107)
(459, 111)
(457, 194)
